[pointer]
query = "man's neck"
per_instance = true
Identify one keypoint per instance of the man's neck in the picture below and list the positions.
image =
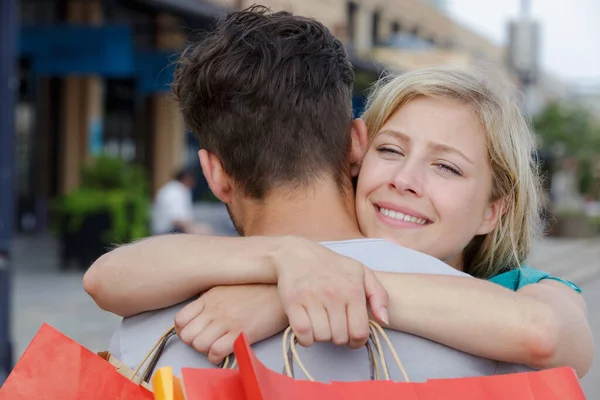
(320, 213)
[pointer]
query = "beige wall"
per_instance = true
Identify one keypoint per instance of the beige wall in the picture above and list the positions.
(168, 128)
(407, 60)
(81, 106)
(411, 14)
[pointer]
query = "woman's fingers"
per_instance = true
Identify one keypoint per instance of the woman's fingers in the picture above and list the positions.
(222, 347)
(188, 313)
(301, 324)
(336, 313)
(319, 320)
(193, 329)
(358, 323)
(377, 296)
(209, 335)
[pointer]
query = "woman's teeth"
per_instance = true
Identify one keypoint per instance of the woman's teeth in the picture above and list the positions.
(402, 217)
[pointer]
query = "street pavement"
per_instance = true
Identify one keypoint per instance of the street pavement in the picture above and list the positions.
(43, 293)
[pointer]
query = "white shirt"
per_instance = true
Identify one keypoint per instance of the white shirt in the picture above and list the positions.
(173, 203)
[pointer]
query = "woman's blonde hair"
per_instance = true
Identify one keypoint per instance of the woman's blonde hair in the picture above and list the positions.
(510, 145)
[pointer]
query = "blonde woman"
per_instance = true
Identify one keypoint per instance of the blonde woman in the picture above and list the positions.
(448, 172)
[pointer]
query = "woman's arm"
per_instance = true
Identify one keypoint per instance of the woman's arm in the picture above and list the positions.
(165, 270)
(542, 325)
(162, 271)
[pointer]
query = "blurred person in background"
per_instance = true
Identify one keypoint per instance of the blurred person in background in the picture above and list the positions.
(173, 209)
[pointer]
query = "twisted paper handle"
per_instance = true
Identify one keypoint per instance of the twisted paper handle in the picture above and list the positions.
(290, 354)
(155, 352)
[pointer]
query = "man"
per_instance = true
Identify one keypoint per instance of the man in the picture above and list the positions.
(269, 96)
(173, 210)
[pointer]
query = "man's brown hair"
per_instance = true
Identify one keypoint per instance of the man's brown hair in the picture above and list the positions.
(270, 94)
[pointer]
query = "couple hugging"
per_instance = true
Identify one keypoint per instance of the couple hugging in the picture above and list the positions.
(419, 215)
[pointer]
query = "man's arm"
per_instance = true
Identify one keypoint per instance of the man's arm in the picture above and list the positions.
(164, 270)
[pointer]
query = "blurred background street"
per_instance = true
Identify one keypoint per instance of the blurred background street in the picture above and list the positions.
(93, 149)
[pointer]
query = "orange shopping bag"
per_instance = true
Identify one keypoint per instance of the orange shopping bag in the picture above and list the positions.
(56, 367)
(253, 381)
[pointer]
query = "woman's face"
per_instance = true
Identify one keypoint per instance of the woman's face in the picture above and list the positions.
(426, 180)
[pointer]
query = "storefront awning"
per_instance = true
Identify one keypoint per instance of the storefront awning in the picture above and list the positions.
(364, 63)
(193, 8)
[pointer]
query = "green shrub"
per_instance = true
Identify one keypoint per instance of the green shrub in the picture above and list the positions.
(113, 186)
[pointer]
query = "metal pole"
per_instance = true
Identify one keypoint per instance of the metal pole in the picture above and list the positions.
(525, 8)
(8, 84)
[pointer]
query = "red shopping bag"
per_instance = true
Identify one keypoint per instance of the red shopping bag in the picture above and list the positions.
(56, 367)
(254, 381)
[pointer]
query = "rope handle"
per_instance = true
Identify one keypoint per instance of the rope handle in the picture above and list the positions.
(290, 354)
(225, 363)
(154, 354)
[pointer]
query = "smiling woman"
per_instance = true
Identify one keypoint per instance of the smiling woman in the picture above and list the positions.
(450, 147)
(435, 175)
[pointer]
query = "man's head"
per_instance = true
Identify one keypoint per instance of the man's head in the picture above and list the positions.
(186, 177)
(269, 97)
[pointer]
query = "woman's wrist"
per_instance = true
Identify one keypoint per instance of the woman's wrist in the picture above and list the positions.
(282, 251)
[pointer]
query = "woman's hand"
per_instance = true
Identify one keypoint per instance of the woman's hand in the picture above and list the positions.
(326, 295)
(212, 323)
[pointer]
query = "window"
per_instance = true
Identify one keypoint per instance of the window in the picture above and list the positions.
(375, 36)
(352, 10)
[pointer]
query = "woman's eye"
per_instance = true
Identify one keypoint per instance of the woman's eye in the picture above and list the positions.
(450, 169)
(389, 150)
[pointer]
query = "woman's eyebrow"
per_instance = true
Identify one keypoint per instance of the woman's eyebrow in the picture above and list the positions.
(437, 147)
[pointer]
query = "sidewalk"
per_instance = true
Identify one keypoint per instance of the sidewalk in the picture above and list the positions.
(577, 260)
(43, 293)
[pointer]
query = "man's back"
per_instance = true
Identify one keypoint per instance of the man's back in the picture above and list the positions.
(422, 358)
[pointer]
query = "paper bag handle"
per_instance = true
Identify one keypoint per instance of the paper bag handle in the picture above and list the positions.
(290, 354)
(154, 354)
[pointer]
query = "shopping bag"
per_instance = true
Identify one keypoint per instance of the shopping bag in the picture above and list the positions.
(215, 383)
(56, 367)
(253, 381)
(166, 386)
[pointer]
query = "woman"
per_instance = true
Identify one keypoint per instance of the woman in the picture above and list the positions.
(449, 173)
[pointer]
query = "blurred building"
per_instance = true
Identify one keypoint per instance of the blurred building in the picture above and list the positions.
(95, 76)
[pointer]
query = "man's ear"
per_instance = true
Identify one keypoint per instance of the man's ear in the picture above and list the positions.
(359, 143)
(217, 179)
(492, 215)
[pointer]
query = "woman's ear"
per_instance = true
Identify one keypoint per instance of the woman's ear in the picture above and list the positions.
(492, 215)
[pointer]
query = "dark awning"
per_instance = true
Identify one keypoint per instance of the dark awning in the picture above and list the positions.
(189, 8)
(367, 64)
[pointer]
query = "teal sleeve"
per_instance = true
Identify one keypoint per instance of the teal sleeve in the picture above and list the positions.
(517, 278)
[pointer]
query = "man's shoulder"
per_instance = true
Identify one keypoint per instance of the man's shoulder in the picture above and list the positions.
(136, 335)
(384, 255)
